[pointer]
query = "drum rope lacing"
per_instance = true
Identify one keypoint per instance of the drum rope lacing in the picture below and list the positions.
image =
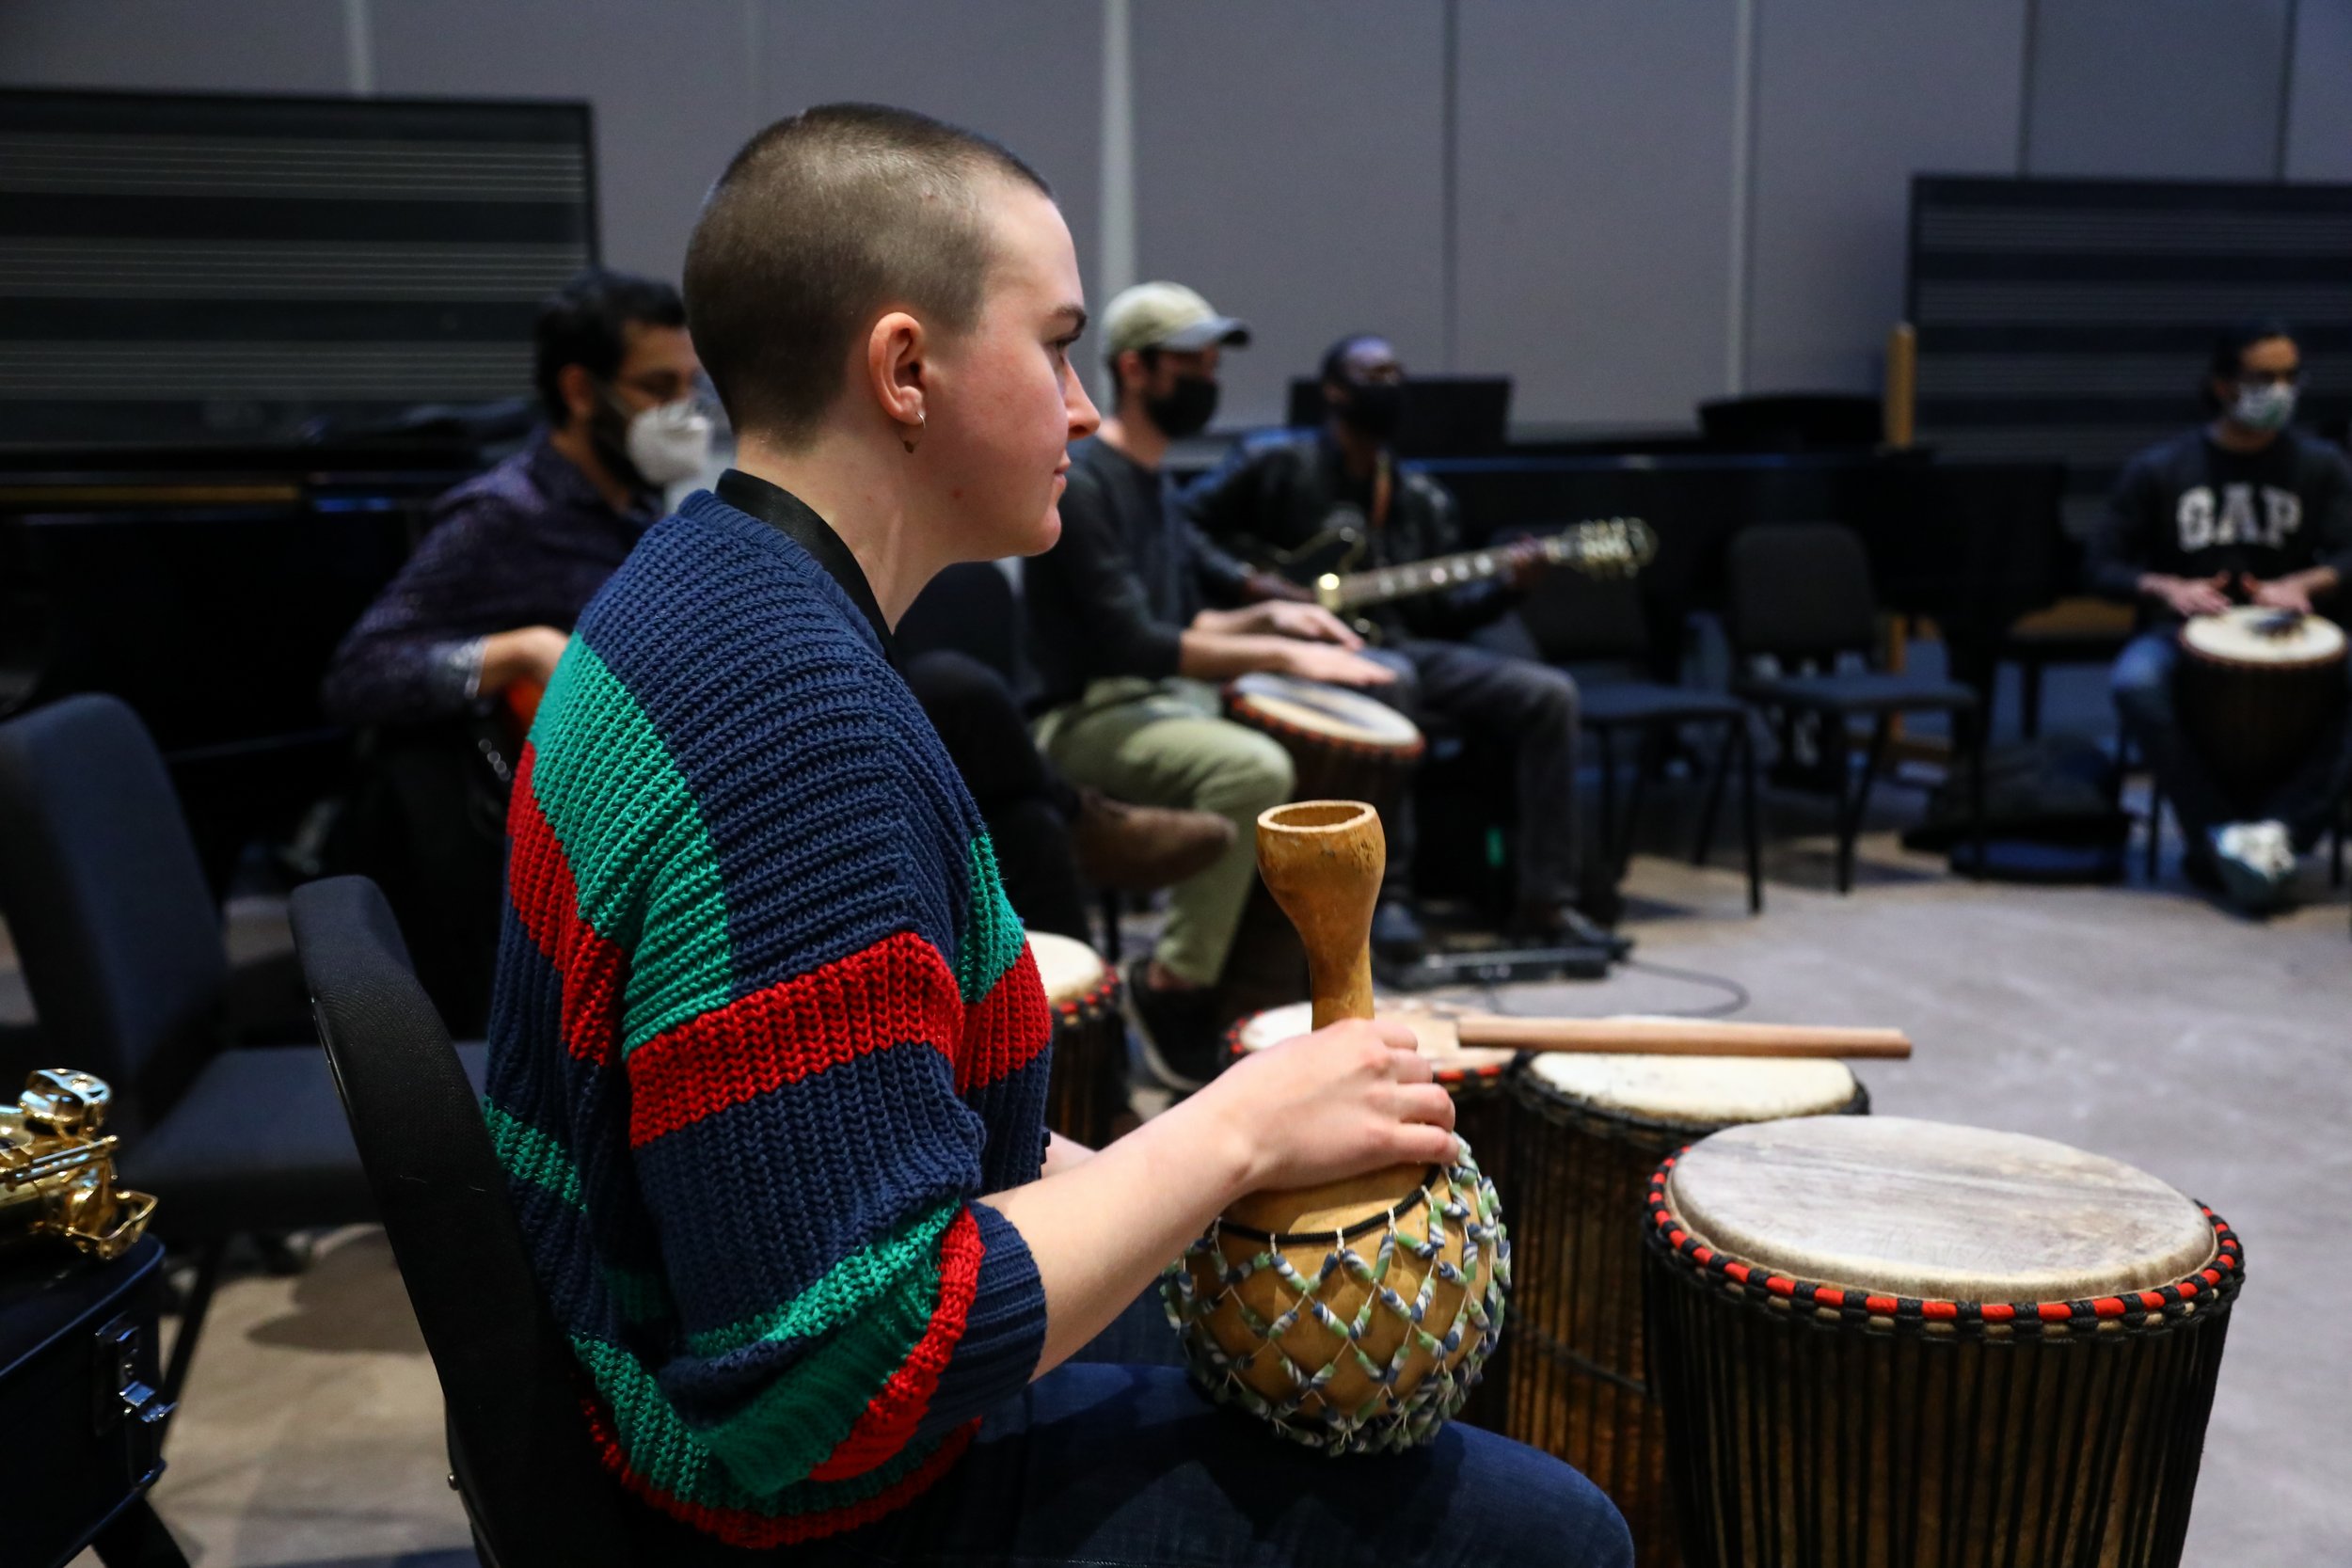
(1385, 1421)
(2201, 1291)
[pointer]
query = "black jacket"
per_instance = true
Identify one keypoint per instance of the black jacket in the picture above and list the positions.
(1284, 489)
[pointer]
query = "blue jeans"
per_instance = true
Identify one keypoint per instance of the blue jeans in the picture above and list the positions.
(1116, 1464)
(2142, 682)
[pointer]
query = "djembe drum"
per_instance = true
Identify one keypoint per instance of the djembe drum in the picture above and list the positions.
(2255, 687)
(1355, 1316)
(1343, 746)
(1086, 1092)
(1586, 1134)
(1885, 1342)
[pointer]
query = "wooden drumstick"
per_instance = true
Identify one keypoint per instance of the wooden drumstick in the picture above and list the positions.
(1656, 1037)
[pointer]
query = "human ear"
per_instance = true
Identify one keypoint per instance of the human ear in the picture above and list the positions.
(578, 389)
(894, 348)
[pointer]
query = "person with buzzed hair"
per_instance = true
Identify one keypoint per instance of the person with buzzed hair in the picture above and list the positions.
(769, 1055)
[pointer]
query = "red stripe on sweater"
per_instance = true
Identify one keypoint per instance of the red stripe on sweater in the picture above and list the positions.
(888, 1422)
(591, 971)
(897, 991)
(760, 1531)
(1006, 1029)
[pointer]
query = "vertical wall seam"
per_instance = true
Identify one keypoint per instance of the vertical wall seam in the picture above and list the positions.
(359, 49)
(1117, 153)
(1449, 191)
(2286, 88)
(2024, 92)
(1742, 196)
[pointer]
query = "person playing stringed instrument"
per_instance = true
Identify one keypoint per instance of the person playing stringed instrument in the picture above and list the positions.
(1286, 489)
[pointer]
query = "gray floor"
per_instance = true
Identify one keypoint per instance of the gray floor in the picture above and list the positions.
(2136, 1022)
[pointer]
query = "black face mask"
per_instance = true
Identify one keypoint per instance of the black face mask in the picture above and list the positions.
(1374, 408)
(1184, 410)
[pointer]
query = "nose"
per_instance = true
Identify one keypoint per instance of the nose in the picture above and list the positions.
(1085, 419)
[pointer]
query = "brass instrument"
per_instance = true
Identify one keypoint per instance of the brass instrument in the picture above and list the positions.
(57, 1169)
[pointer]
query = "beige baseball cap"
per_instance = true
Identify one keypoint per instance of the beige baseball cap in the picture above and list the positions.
(1169, 316)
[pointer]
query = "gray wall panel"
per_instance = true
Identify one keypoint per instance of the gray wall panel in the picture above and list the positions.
(1288, 158)
(2170, 89)
(1595, 204)
(670, 94)
(2319, 102)
(1028, 72)
(1851, 102)
(174, 45)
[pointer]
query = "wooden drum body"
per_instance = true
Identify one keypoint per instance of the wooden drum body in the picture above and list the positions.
(1885, 1342)
(2255, 687)
(1586, 1134)
(1343, 746)
(1086, 1090)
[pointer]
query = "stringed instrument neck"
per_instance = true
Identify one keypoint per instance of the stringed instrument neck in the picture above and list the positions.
(1621, 544)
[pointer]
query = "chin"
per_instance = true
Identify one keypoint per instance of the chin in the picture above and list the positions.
(1040, 536)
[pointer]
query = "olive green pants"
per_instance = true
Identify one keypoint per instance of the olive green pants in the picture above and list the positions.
(1163, 743)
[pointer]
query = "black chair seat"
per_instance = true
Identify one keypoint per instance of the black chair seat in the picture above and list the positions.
(1611, 704)
(1860, 691)
(259, 1143)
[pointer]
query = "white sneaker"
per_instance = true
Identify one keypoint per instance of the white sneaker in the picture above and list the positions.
(2277, 845)
(2247, 858)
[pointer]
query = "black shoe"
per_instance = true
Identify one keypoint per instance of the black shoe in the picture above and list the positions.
(1175, 1029)
(1396, 934)
(1564, 924)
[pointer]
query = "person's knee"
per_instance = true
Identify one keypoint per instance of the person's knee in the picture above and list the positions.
(1552, 695)
(1544, 1511)
(1251, 772)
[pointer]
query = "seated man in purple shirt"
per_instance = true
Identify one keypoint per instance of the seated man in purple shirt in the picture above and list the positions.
(474, 622)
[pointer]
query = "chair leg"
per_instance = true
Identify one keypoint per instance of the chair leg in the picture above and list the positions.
(2155, 830)
(2029, 697)
(135, 1537)
(1112, 948)
(1850, 817)
(1706, 845)
(1745, 740)
(1605, 837)
(1979, 737)
(1645, 758)
(192, 1315)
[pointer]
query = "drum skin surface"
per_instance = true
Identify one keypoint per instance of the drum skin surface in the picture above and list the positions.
(1358, 1327)
(1819, 1414)
(1586, 1134)
(1087, 1087)
(1898, 1207)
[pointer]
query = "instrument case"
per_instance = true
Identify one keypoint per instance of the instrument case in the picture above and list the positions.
(78, 1395)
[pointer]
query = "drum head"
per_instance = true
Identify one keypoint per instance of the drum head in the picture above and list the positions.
(1071, 970)
(1455, 1066)
(1898, 1207)
(2248, 634)
(1694, 1091)
(1325, 711)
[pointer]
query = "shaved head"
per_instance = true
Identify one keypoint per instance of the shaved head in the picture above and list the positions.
(822, 222)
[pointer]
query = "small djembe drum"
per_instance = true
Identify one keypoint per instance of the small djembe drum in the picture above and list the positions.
(1888, 1342)
(1353, 1316)
(2256, 688)
(1087, 1093)
(1343, 745)
(1586, 1133)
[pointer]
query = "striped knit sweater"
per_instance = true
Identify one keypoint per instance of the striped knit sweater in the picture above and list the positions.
(766, 1028)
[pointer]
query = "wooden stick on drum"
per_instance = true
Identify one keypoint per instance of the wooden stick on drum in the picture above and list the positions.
(1655, 1037)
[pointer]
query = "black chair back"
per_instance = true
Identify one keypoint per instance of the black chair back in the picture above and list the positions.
(968, 608)
(114, 923)
(1574, 618)
(1798, 591)
(517, 1444)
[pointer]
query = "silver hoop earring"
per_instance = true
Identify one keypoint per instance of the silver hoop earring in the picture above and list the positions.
(908, 441)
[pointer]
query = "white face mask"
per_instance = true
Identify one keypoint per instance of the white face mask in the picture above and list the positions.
(670, 442)
(2265, 405)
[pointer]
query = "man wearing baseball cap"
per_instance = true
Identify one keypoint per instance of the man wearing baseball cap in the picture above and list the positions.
(1134, 616)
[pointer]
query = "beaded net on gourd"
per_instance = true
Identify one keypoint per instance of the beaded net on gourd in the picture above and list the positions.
(1363, 1340)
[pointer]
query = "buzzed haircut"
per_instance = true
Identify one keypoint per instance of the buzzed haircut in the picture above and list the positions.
(819, 222)
(1335, 357)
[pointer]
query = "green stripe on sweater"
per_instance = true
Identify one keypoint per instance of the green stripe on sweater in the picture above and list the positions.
(662, 1448)
(639, 854)
(529, 1155)
(992, 939)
